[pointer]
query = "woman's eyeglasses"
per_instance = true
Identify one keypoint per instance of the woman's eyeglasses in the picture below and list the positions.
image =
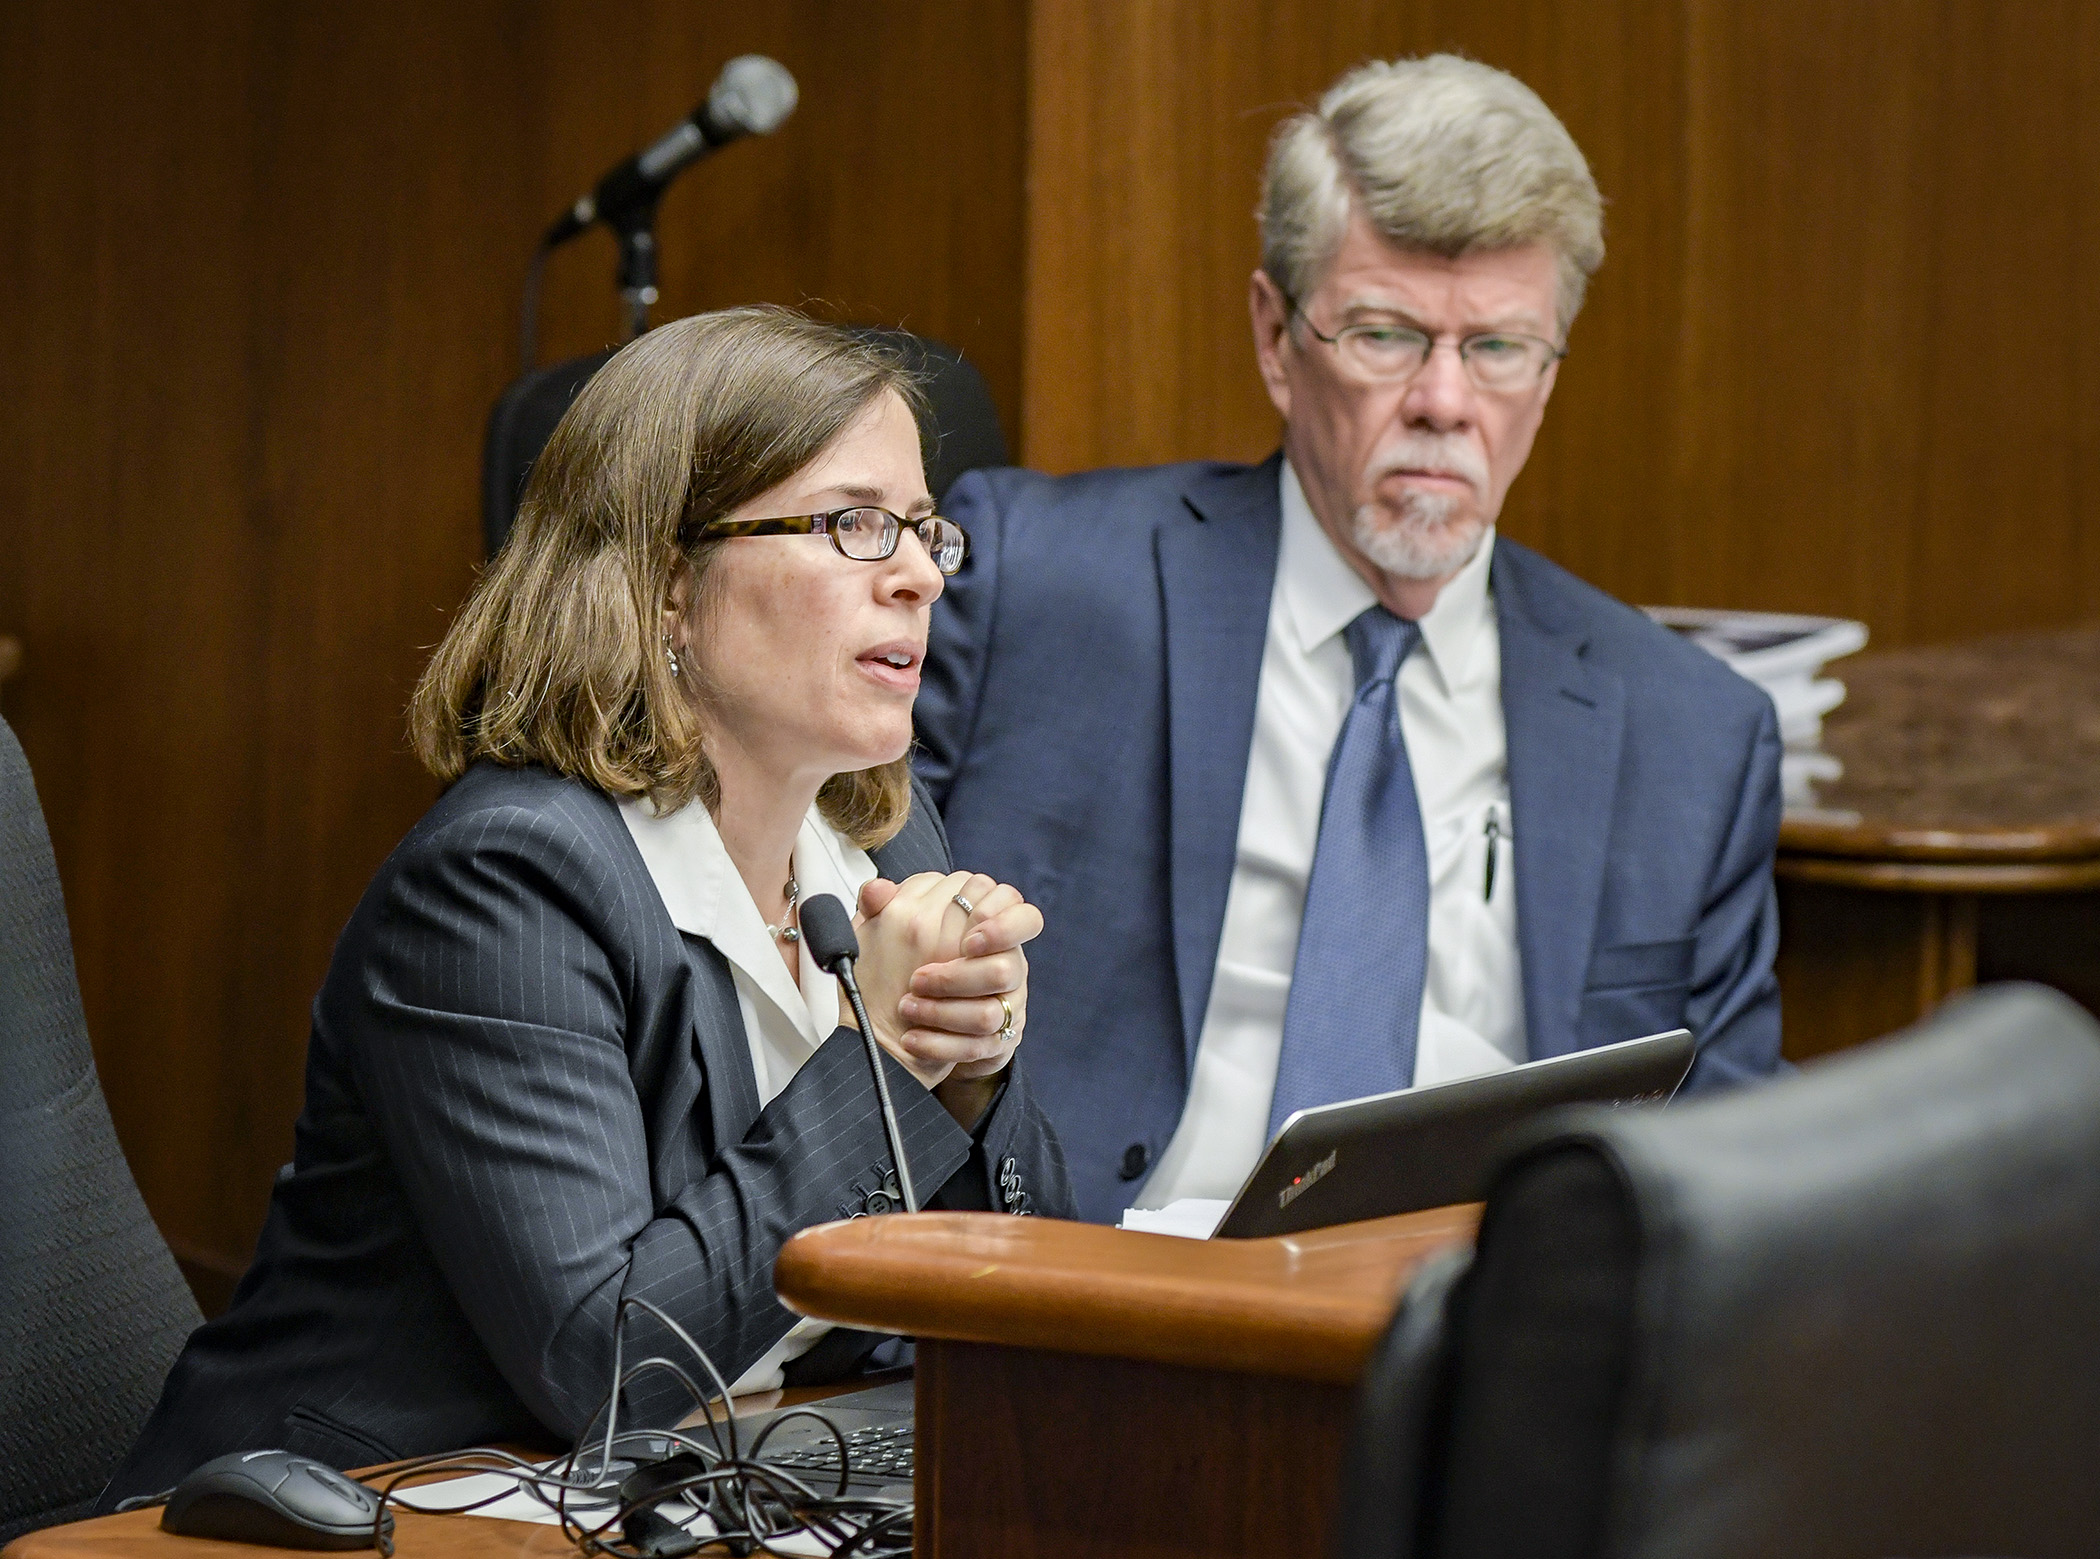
(863, 533)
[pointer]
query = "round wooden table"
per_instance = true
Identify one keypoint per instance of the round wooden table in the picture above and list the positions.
(1961, 844)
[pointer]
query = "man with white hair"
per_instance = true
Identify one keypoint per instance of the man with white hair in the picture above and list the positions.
(1323, 789)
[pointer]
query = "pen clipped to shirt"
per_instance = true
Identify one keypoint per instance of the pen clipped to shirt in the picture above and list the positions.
(1493, 834)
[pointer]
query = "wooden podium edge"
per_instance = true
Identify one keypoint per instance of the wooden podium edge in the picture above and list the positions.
(1308, 1306)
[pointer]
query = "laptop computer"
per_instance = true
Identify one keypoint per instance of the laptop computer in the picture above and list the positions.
(1364, 1158)
(1429, 1147)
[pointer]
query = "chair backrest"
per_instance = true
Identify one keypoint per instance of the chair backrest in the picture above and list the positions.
(965, 434)
(92, 1308)
(1852, 1313)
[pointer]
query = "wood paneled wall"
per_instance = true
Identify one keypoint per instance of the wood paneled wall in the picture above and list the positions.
(261, 275)
(1844, 354)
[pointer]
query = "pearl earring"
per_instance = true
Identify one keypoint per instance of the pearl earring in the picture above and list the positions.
(671, 655)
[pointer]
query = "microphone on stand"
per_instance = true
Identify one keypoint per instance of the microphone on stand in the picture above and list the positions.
(827, 930)
(754, 95)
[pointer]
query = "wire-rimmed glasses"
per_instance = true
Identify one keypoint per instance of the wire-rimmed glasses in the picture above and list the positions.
(1388, 352)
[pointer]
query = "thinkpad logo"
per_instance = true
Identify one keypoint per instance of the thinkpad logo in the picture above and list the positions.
(1300, 1184)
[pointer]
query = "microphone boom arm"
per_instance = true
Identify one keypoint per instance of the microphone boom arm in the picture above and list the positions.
(882, 1084)
(753, 96)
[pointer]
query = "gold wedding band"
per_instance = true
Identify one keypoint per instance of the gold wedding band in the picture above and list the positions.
(1006, 1013)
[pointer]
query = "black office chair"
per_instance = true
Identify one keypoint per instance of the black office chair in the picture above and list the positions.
(965, 434)
(92, 1308)
(1854, 1313)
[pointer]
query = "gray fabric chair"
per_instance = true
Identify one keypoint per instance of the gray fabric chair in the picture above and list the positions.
(1854, 1313)
(92, 1308)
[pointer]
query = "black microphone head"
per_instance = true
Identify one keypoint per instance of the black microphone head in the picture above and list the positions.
(753, 96)
(827, 930)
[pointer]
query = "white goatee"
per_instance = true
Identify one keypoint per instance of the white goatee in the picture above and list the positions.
(1428, 535)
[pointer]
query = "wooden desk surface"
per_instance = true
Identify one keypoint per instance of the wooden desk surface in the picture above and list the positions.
(136, 1534)
(1306, 1306)
(1968, 767)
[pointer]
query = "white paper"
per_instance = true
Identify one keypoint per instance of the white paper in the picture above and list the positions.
(589, 1510)
(1192, 1218)
(1766, 647)
(515, 1505)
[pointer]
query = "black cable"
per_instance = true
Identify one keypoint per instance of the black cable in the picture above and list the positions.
(140, 1501)
(750, 1502)
(698, 1352)
(529, 324)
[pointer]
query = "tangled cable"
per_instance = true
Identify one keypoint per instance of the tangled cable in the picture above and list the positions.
(751, 1503)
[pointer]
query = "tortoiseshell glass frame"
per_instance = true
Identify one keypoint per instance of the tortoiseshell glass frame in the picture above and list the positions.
(821, 525)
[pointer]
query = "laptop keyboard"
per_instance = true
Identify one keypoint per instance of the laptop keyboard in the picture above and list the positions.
(883, 1451)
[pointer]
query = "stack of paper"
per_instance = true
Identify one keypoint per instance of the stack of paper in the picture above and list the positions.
(1193, 1218)
(1783, 654)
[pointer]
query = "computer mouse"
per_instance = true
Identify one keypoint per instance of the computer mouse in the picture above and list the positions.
(276, 1498)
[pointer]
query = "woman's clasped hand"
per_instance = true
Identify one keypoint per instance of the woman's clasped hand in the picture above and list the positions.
(945, 981)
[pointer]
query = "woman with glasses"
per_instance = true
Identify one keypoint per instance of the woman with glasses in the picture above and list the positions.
(573, 1048)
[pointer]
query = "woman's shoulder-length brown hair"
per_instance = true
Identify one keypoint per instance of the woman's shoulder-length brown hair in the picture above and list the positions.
(556, 658)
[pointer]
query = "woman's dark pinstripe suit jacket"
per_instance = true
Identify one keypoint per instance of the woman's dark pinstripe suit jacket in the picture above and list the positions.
(527, 1097)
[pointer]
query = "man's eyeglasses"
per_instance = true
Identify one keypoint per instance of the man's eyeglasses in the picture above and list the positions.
(1381, 352)
(863, 533)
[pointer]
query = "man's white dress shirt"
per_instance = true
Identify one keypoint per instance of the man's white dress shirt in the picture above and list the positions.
(1451, 717)
(785, 1020)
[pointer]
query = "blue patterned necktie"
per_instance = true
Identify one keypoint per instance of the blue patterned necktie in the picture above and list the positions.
(1363, 947)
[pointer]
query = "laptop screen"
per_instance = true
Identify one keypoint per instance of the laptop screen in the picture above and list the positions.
(1431, 1147)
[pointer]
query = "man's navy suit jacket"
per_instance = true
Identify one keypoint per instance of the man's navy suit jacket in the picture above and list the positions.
(1085, 721)
(529, 1097)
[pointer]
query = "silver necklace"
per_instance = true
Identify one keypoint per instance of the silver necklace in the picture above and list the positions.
(787, 931)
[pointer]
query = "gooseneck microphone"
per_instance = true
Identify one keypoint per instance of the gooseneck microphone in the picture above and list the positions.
(827, 930)
(753, 96)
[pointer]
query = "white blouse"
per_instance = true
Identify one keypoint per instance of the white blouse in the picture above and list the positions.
(785, 1019)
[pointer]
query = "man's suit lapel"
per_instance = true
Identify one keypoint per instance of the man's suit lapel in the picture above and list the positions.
(1217, 568)
(1565, 720)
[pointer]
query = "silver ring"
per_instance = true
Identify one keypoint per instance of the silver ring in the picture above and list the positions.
(1006, 1013)
(967, 907)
